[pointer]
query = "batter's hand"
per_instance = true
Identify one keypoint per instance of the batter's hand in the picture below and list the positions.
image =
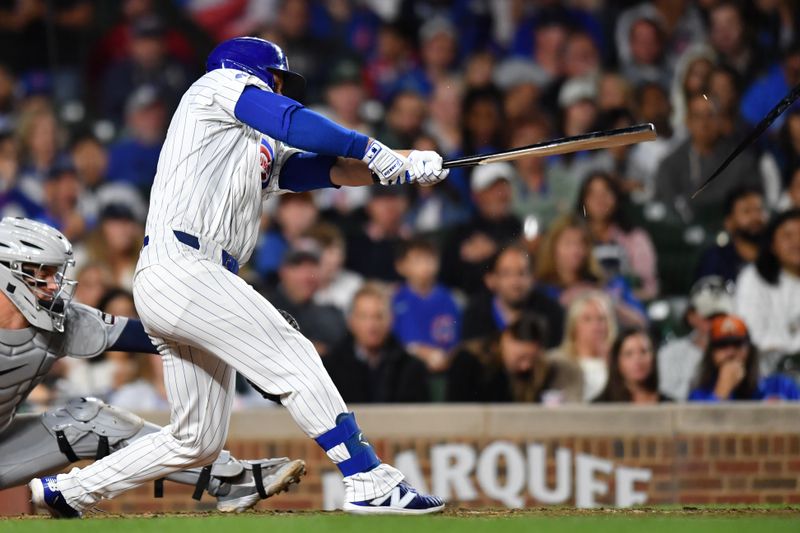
(426, 167)
(388, 167)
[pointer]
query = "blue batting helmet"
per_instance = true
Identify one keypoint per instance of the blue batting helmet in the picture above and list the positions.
(260, 58)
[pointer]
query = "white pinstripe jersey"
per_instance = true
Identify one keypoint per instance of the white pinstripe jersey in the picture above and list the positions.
(213, 172)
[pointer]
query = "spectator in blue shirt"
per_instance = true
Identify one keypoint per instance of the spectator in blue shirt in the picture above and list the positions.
(134, 159)
(729, 370)
(427, 319)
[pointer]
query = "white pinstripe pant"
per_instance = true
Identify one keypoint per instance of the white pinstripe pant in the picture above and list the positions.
(207, 322)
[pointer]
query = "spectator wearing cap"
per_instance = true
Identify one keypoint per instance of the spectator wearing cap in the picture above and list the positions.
(427, 319)
(298, 283)
(679, 359)
(510, 291)
(684, 170)
(768, 291)
(116, 242)
(345, 96)
(149, 63)
(470, 246)
(438, 51)
(345, 103)
(522, 83)
(370, 248)
(134, 159)
(370, 365)
(114, 45)
(337, 285)
(295, 215)
(511, 366)
(730, 365)
(744, 223)
(577, 114)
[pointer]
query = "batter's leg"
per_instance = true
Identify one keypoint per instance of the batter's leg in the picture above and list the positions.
(224, 315)
(200, 392)
(86, 428)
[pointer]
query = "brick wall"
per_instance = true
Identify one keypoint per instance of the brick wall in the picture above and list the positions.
(693, 458)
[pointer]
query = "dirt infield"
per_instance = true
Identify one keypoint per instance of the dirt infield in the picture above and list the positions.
(550, 512)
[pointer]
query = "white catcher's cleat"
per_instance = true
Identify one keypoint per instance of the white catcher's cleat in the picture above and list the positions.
(261, 479)
(402, 500)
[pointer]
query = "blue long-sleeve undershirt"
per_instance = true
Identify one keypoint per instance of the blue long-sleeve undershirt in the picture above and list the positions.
(288, 121)
(133, 339)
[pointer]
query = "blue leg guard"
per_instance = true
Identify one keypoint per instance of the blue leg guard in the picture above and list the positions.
(347, 432)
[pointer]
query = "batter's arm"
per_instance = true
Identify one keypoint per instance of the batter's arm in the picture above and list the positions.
(353, 173)
(288, 121)
(305, 171)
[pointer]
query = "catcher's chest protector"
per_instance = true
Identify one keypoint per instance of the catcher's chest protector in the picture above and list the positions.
(26, 355)
(25, 358)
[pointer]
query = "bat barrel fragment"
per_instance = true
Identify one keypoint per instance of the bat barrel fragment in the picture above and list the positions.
(589, 141)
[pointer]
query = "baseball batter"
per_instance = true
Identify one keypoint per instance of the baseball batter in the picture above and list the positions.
(38, 326)
(234, 140)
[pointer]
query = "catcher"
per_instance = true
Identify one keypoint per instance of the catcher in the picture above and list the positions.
(39, 325)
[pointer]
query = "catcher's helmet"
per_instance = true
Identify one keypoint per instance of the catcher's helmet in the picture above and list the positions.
(260, 58)
(28, 249)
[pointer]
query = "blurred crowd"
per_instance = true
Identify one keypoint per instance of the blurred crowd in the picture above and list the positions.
(586, 277)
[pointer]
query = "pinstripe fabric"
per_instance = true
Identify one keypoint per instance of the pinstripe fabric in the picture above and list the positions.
(216, 322)
(210, 181)
(213, 174)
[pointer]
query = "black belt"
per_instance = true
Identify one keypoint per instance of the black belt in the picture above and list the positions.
(228, 261)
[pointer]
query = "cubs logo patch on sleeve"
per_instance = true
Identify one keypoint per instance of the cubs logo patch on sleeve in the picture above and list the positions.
(265, 155)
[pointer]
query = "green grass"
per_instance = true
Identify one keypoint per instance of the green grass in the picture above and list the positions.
(702, 521)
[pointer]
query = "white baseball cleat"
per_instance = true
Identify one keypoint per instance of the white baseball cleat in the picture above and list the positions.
(401, 500)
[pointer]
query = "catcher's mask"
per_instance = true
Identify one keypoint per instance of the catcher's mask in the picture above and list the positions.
(34, 259)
